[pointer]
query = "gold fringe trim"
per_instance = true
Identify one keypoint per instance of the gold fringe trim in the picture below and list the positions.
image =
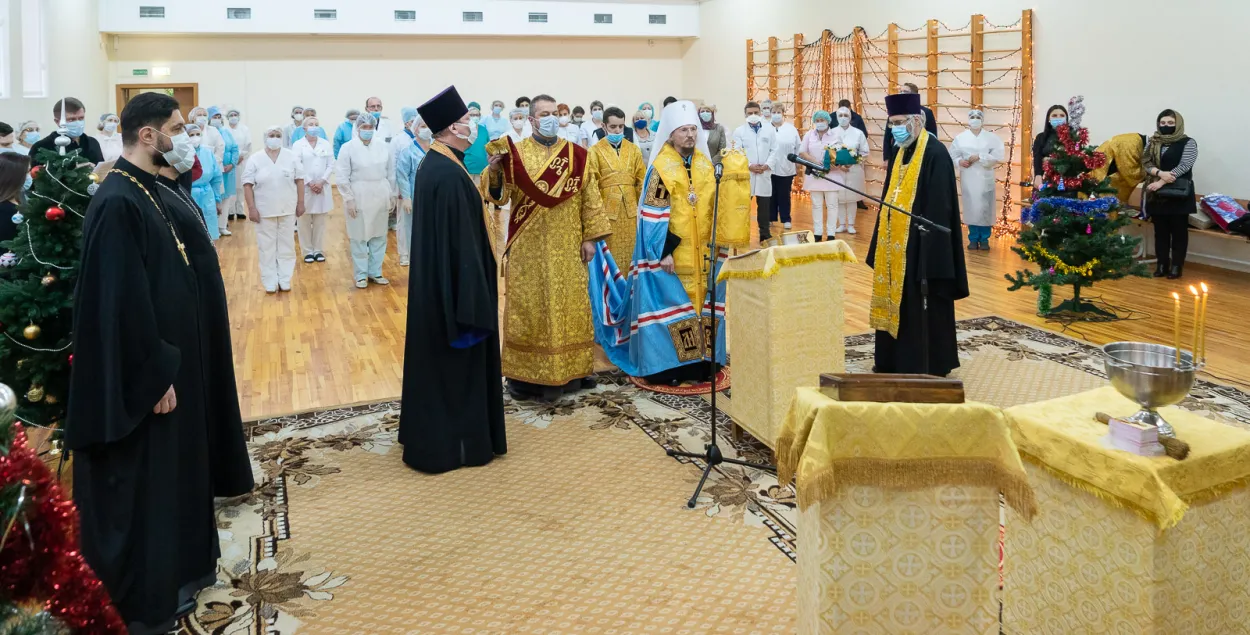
(912, 474)
(1203, 496)
(778, 263)
(1163, 523)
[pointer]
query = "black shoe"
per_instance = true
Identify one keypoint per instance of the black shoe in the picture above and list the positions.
(319, 257)
(1161, 271)
(310, 258)
(861, 205)
(820, 239)
(588, 383)
(1176, 272)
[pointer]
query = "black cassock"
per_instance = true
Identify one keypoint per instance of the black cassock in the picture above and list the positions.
(144, 483)
(453, 386)
(937, 199)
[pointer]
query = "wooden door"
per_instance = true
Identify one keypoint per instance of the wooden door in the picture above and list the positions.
(188, 95)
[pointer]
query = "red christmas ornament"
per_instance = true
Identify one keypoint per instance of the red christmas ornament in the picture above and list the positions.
(34, 172)
(71, 359)
(54, 214)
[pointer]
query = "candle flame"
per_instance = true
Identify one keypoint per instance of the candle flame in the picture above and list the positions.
(1204, 287)
(1193, 290)
(1176, 295)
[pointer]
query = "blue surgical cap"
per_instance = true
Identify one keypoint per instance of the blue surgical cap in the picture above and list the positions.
(408, 113)
(213, 111)
(822, 114)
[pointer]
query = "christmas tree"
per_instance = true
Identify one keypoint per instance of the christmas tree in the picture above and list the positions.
(38, 270)
(45, 586)
(1069, 232)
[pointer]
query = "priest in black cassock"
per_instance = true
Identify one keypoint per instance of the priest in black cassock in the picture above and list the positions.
(150, 423)
(921, 179)
(453, 386)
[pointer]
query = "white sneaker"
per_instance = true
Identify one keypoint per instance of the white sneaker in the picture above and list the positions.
(362, 284)
(284, 287)
(380, 280)
(403, 262)
(851, 230)
(840, 229)
(271, 289)
(226, 232)
(788, 226)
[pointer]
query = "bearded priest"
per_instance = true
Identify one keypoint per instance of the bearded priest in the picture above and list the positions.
(652, 320)
(555, 219)
(920, 179)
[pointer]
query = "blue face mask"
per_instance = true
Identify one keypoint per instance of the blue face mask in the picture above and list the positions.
(32, 136)
(76, 128)
(616, 139)
(496, 110)
(640, 124)
(900, 134)
(28, 183)
(366, 135)
(548, 126)
(1055, 122)
(319, 131)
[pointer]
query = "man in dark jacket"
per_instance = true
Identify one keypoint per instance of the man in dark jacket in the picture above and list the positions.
(75, 124)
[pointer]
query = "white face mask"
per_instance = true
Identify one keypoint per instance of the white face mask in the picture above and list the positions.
(844, 120)
(754, 120)
(273, 143)
(647, 112)
(517, 124)
(298, 117)
(822, 126)
(564, 120)
(767, 112)
(777, 118)
(425, 134)
(234, 120)
(196, 141)
(201, 121)
(182, 155)
(110, 126)
(597, 115)
(975, 124)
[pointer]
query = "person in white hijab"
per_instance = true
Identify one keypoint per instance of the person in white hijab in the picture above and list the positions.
(977, 152)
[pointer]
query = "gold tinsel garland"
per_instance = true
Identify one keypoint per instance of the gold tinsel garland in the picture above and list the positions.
(1037, 251)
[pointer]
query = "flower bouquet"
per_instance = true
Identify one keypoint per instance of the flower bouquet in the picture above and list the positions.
(841, 155)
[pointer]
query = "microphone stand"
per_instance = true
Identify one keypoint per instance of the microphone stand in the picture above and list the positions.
(712, 455)
(923, 228)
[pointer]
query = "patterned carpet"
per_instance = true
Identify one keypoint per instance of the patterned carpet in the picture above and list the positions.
(581, 528)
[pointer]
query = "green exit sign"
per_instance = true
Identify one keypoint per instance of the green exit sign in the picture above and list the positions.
(139, 72)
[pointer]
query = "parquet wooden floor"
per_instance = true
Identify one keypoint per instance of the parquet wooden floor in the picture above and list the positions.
(327, 343)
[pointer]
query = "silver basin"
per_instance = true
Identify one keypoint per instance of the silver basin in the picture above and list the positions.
(1149, 375)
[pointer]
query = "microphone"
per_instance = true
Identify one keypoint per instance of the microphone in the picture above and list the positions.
(719, 170)
(794, 158)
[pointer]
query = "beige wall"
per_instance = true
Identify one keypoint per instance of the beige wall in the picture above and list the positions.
(265, 76)
(1130, 58)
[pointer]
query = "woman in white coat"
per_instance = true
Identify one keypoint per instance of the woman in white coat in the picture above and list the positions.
(848, 136)
(365, 174)
(273, 184)
(977, 153)
(243, 137)
(317, 157)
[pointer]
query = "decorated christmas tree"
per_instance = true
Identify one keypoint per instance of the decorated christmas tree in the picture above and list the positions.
(1071, 233)
(45, 586)
(38, 270)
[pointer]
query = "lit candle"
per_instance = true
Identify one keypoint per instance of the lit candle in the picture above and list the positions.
(1176, 327)
(1193, 349)
(1202, 343)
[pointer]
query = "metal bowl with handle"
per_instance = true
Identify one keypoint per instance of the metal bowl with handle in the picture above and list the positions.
(1149, 375)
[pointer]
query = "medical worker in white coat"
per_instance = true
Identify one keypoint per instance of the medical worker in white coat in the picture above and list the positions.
(243, 137)
(848, 136)
(273, 184)
(758, 140)
(316, 155)
(365, 174)
(977, 152)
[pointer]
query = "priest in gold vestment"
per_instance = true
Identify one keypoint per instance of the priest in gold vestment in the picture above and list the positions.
(617, 166)
(652, 318)
(555, 218)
